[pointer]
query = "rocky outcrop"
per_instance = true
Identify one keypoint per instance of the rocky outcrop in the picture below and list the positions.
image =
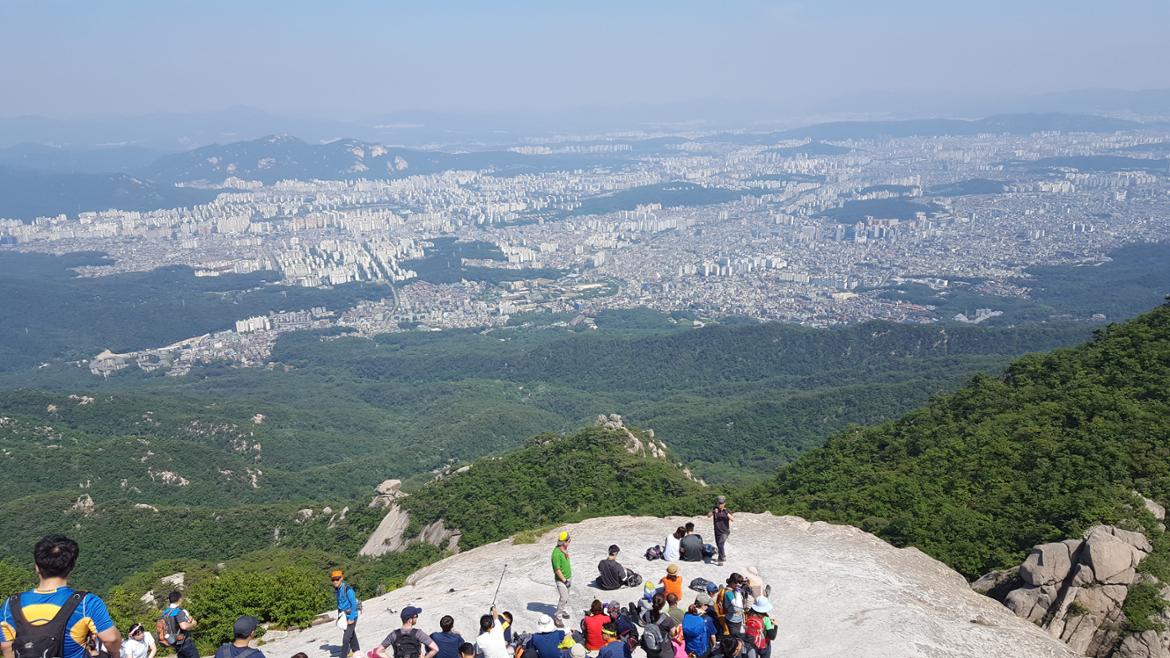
(650, 447)
(1075, 589)
(390, 535)
(837, 591)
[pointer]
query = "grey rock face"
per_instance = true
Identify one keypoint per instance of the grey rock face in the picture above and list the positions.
(837, 591)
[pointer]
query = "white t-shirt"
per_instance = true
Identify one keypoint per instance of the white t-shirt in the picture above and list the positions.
(672, 551)
(492, 643)
(132, 648)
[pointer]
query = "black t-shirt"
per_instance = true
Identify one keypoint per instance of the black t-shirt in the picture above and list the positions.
(613, 575)
(691, 548)
(232, 651)
(722, 521)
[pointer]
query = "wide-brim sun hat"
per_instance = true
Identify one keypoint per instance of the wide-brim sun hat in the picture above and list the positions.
(762, 605)
(544, 624)
(672, 569)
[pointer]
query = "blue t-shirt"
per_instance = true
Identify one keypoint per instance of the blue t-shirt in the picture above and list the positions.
(547, 645)
(448, 644)
(697, 631)
(90, 617)
(615, 649)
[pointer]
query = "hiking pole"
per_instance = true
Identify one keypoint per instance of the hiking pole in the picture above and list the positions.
(494, 596)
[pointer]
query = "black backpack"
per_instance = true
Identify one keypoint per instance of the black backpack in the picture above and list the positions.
(48, 640)
(633, 578)
(700, 585)
(406, 645)
(225, 651)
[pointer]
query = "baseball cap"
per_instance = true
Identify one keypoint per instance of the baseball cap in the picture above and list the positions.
(337, 574)
(578, 651)
(564, 536)
(720, 500)
(703, 599)
(410, 611)
(244, 626)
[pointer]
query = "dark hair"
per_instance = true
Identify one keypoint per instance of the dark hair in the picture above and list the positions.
(690, 526)
(680, 532)
(447, 623)
(658, 602)
(175, 596)
(596, 608)
(728, 646)
(507, 615)
(465, 649)
(55, 556)
(300, 654)
(672, 598)
(485, 623)
(136, 628)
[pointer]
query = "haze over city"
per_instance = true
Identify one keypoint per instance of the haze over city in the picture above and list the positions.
(354, 60)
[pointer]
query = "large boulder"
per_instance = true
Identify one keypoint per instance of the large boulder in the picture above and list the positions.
(1111, 557)
(1047, 564)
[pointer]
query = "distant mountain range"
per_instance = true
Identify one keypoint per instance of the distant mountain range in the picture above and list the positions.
(43, 180)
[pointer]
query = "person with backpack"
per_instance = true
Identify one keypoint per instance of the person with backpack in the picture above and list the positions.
(698, 629)
(138, 643)
(491, 642)
(656, 628)
(722, 520)
(349, 607)
(729, 647)
(243, 630)
(408, 641)
(43, 621)
(759, 629)
(175, 627)
(447, 639)
(611, 574)
(733, 604)
(563, 574)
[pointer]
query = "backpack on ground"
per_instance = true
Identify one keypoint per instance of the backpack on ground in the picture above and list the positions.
(699, 585)
(406, 645)
(633, 578)
(709, 550)
(654, 553)
(167, 629)
(652, 638)
(46, 640)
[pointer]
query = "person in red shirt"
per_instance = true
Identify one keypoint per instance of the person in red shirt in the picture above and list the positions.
(593, 624)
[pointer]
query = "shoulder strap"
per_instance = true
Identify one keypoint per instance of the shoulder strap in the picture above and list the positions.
(246, 653)
(61, 617)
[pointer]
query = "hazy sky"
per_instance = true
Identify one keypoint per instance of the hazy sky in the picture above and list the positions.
(356, 59)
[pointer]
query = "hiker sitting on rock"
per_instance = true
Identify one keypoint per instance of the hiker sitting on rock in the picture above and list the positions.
(691, 545)
(611, 574)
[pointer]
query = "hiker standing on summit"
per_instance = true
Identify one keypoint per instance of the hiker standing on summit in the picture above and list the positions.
(563, 573)
(722, 518)
(347, 606)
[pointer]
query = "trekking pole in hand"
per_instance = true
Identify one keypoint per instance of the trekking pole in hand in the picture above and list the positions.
(494, 596)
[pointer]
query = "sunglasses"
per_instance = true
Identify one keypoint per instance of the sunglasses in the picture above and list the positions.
(336, 580)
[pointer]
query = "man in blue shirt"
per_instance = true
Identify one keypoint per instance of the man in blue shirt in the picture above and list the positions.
(55, 556)
(347, 606)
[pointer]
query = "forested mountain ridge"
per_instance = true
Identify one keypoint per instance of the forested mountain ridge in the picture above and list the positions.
(979, 476)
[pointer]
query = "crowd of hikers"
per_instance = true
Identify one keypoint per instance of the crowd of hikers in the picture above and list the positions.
(669, 619)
